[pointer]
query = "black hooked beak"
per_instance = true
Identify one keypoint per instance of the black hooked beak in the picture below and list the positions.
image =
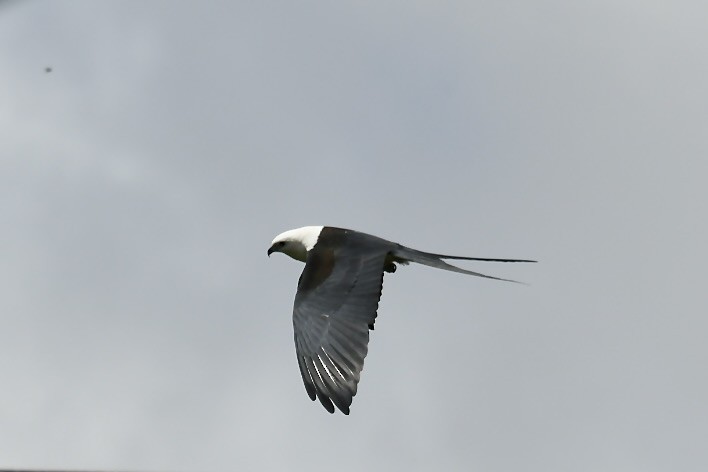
(270, 251)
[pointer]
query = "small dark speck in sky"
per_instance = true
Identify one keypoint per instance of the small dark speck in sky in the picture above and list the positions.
(47, 70)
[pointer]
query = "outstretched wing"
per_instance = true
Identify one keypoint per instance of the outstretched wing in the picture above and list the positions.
(336, 302)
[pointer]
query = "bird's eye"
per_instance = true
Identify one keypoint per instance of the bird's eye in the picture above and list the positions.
(281, 243)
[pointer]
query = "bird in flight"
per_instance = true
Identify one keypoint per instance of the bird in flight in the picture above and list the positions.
(336, 301)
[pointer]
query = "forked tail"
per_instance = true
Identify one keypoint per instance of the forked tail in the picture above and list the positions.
(406, 254)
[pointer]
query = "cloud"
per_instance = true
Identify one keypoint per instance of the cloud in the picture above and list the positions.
(144, 328)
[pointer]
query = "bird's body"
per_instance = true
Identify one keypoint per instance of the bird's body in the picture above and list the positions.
(336, 302)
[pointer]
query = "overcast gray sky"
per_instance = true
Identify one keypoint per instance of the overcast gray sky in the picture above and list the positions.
(143, 178)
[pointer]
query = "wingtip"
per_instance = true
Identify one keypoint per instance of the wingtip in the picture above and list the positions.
(326, 403)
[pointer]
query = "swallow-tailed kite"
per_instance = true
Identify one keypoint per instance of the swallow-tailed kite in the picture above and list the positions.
(337, 297)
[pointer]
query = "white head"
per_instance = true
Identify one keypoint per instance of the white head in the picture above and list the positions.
(296, 242)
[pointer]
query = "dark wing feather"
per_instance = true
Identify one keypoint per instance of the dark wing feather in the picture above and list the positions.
(336, 302)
